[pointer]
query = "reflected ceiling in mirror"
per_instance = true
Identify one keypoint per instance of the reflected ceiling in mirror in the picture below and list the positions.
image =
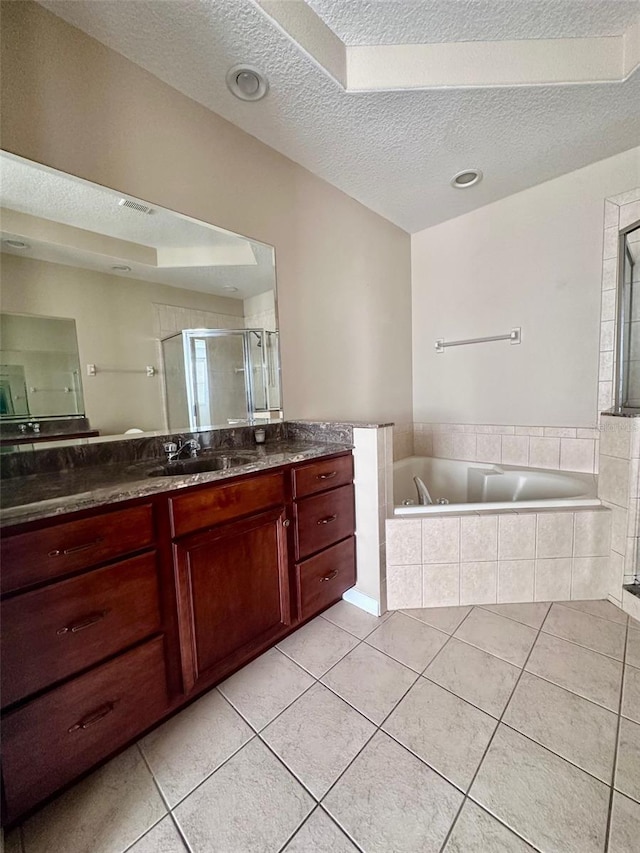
(130, 274)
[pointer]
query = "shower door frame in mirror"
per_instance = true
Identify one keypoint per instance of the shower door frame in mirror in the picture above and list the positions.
(196, 270)
(199, 391)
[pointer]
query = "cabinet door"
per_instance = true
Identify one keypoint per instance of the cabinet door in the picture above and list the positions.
(233, 594)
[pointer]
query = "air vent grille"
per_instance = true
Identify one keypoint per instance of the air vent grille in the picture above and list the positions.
(135, 205)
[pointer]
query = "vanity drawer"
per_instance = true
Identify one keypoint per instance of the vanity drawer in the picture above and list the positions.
(53, 739)
(54, 632)
(322, 475)
(73, 545)
(322, 579)
(323, 519)
(208, 506)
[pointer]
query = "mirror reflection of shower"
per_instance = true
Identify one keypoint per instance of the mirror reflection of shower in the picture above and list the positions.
(220, 376)
(628, 322)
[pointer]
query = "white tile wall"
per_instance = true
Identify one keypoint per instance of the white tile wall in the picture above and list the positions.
(619, 211)
(544, 556)
(568, 448)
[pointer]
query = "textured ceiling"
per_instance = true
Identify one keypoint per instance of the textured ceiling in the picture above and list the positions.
(51, 195)
(427, 21)
(394, 151)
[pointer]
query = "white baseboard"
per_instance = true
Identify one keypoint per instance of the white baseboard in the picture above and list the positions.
(364, 602)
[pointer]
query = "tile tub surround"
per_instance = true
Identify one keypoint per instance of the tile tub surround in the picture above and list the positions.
(619, 212)
(619, 490)
(489, 558)
(503, 737)
(555, 448)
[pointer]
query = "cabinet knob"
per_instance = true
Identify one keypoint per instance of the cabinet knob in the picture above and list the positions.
(286, 522)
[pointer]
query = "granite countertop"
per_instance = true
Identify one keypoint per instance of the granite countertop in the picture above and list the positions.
(45, 495)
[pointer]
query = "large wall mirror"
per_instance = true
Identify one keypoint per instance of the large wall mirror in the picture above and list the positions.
(134, 316)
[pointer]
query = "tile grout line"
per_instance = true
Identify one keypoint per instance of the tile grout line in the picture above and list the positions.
(317, 807)
(491, 739)
(169, 813)
(607, 837)
(378, 728)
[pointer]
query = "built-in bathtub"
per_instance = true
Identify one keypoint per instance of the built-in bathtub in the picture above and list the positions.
(471, 487)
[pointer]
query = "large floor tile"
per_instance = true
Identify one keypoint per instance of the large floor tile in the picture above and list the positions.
(600, 635)
(531, 614)
(474, 675)
(502, 637)
(446, 732)
(477, 832)
(565, 723)
(318, 645)
(625, 825)
(388, 800)
(407, 640)
(552, 804)
(265, 687)
(317, 737)
(628, 764)
(444, 619)
(319, 834)
(353, 619)
(191, 745)
(371, 681)
(250, 805)
(105, 813)
(587, 673)
(633, 647)
(603, 609)
(163, 838)
(631, 693)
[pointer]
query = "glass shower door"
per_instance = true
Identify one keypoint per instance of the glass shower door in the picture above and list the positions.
(218, 381)
(628, 327)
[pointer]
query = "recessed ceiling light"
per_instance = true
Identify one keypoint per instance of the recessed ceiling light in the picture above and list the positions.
(121, 268)
(16, 244)
(247, 83)
(230, 289)
(466, 178)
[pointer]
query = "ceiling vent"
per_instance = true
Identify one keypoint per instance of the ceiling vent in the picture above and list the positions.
(135, 205)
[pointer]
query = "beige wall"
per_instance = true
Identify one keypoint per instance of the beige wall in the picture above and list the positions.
(533, 260)
(343, 272)
(118, 321)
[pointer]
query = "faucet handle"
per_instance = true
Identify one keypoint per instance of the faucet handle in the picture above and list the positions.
(169, 447)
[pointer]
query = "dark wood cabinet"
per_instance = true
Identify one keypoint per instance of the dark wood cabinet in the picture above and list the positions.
(111, 620)
(233, 594)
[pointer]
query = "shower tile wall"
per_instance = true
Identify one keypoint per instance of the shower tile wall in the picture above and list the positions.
(490, 558)
(555, 448)
(169, 319)
(619, 211)
(619, 490)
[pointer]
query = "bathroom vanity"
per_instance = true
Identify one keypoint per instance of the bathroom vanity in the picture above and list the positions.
(115, 616)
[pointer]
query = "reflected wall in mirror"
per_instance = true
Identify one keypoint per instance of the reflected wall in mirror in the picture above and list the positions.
(628, 325)
(39, 368)
(130, 275)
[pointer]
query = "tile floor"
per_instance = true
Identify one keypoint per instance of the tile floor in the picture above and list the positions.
(492, 729)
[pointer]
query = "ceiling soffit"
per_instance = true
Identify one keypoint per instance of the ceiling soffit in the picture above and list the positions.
(468, 64)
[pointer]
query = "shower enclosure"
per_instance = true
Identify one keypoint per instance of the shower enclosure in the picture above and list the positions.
(220, 376)
(627, 379)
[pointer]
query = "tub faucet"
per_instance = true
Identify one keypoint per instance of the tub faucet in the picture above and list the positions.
(424, 498)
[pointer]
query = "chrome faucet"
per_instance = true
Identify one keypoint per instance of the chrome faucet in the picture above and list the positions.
(173, 451)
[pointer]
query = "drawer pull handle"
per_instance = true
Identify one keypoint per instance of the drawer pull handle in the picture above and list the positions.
(327, 519)
(66, 551)
(330, 576)
(94, 717)
(328, 476)
(87, 622)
